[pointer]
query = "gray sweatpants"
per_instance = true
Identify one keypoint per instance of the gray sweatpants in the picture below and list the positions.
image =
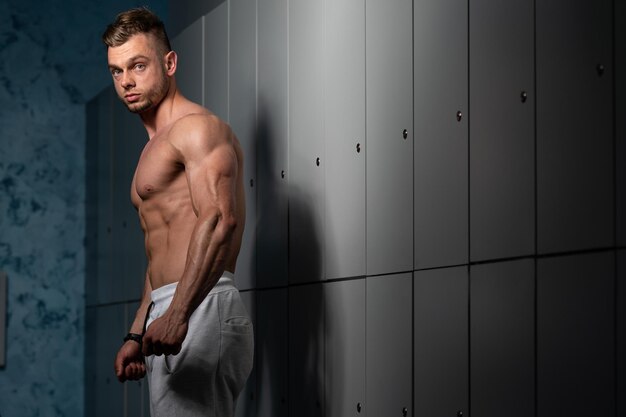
(210, 371)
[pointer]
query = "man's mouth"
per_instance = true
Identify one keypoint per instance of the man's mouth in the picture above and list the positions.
(131, 97)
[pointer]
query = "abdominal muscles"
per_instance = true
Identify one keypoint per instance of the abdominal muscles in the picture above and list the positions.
(168, 224)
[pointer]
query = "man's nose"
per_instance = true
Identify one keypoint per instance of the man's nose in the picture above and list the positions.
(127, 80)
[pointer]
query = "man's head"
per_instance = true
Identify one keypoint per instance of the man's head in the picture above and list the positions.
(133, 22)
(140, 59)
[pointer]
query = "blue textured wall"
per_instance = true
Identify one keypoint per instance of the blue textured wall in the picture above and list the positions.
(51, 63)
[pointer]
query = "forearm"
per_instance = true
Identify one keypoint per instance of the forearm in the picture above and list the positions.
(206, 258)
(142, 311)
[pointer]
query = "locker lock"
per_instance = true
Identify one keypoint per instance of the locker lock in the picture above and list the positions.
(600, 69)
(524, 96)
(251, 182)
(282, 174)
(405, 133)
(405, 412)
(358, 148)
(459, 413)
(358, 407)
(459, 116)
(317, 162)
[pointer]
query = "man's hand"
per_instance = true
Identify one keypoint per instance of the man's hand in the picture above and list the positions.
(164, 336)
(129, 364)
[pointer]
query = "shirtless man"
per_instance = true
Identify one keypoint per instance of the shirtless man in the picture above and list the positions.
(191, 333)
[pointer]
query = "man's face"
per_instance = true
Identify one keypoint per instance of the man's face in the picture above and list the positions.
(138, 73)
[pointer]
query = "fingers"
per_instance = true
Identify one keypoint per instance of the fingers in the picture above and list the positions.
(135, 370)
(154, 346)
(159, 348)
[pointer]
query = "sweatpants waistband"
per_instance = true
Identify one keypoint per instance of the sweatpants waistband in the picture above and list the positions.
(225, 283)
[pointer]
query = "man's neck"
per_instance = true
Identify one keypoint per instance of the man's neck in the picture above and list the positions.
(162, 115)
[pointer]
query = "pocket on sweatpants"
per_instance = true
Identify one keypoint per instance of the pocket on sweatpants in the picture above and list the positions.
(237, 324)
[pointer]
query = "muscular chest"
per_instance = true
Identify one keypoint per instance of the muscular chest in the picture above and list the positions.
(158, 169)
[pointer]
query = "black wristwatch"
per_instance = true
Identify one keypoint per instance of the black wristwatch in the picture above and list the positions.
(134, 337)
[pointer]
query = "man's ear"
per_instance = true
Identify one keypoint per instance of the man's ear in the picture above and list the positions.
(171, 60)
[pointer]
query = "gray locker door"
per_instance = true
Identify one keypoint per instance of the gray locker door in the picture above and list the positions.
(441, 133)
(188, 46)
(246, 403)
(306, 350)
(389, 177)
(388, 345)
(127, 239)
(344, 80)
(440, 353)
(110, 328)
(272, 142)
(216, 61)
(574, 125)
(620, 121)
(502, 338)
(272, 352)
(344, 303)
(242, 117)
(502, 149)
(621, 332)
(105, 205)
(575, 335)
(306, 140)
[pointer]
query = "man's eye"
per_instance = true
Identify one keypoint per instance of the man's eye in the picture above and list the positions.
(140, 67)
(115, 73)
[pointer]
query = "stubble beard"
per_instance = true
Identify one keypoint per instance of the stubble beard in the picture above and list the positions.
(152, 98)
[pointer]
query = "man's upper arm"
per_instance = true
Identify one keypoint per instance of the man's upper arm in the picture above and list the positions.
(211, 168)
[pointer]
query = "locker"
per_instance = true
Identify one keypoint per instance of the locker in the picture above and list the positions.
(388, 345)
(344, 307)
(272, 350)
(216, 61)
(441, 133)
(502, 338)
(306, 350)
(389, 124)
(104, 290)
(182, 13)
(344, 135)
(127, 239)
(242, 117)
(110, 328)
(95, 128)
(91, 201)
(620, 122)
(91, 361)
(621, 332)
(502, 150)
(575, 335)
(575, 203)
(246, 403)
(306, 141)
(440, 353)
(189, 72)
(272, 142)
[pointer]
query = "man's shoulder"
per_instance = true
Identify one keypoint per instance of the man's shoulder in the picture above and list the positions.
(198, 131)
